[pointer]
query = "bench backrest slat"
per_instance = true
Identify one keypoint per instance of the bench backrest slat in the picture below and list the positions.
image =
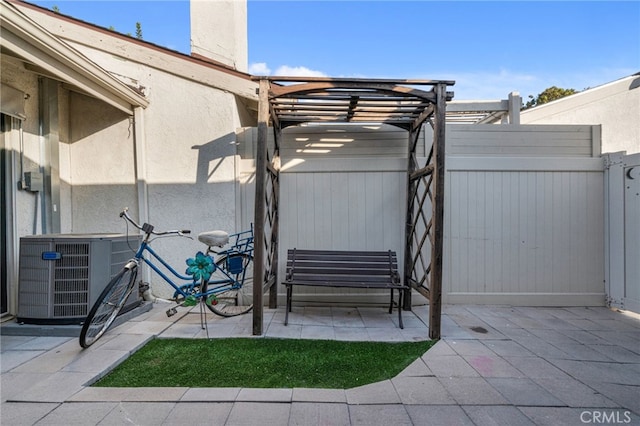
(361, 268)
(299, 270)
(337, 264)
(342, 278)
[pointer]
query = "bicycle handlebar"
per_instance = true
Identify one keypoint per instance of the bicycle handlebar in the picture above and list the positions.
(148, 228)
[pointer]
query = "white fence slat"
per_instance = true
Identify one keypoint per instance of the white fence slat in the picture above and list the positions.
(356, 214)
(306, 211)
(339, 211)
(344, 165)
(395, 190)
(323, 212)
(373, 210)
(522, 140)
(529, 164)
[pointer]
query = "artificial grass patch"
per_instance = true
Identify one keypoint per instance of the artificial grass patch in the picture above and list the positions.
(263, 363)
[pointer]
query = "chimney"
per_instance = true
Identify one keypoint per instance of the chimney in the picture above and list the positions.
(219, 31)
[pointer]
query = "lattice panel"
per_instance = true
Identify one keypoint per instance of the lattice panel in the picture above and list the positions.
(271, 213)
(421, 237)
(420, 234)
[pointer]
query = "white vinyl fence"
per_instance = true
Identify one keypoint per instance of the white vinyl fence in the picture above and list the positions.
(524, 215)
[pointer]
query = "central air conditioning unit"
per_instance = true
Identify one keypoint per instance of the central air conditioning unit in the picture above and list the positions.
(62, 275)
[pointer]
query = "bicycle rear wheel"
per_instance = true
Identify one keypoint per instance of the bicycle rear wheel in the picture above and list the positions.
(106, 308)
(236, 301)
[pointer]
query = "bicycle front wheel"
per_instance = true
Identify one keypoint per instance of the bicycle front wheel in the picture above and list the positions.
(239, 299)
(106, 308)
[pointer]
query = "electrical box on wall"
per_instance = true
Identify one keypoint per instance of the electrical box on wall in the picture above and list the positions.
(33, 181)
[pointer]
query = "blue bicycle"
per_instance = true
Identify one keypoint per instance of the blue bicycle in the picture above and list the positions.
(223, 285)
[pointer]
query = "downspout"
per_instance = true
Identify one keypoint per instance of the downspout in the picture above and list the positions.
(140, 154)
(12, 109)
(12, 236)
(49, 155)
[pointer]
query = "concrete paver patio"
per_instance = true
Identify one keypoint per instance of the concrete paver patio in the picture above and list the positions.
(495, 365)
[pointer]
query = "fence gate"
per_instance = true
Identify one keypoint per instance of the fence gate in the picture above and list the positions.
(622, 180)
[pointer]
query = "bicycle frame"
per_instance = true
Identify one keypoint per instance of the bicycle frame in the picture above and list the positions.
(241, 244)
(188, 281)
(213, 286)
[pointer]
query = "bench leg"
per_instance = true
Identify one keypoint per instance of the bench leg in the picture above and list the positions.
(288, 308)
(391, 303)
(400, 294)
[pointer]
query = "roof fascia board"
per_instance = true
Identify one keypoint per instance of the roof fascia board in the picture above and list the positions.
(175, 63)
(60, 71)
(35, 44)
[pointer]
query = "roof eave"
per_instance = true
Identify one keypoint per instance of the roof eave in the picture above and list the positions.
(34, 44)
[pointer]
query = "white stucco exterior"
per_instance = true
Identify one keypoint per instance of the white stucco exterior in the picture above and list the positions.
(615, 106)
(189, 136)
(13, 75)
(219, 31)
(172, 162)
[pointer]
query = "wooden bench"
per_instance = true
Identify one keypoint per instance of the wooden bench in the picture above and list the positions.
(354, 269)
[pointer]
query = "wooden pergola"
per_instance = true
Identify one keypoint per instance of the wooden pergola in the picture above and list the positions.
(408, 104)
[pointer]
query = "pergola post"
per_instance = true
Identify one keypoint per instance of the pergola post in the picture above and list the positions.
(437, 248)
(425, 213)
(259, 220)
(265, 251)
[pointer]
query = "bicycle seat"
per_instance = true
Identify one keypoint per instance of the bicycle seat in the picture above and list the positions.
(214, 238)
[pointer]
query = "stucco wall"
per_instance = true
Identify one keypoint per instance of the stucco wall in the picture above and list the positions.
(100, 166)
(183, 149)
(188, 157)
(616, 106)
(14, 75)
(190, 161)
(173, 163)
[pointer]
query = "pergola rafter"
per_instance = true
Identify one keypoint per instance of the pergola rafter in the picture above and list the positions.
(290, 101)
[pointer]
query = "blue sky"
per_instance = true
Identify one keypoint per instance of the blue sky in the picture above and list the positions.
(489, 48)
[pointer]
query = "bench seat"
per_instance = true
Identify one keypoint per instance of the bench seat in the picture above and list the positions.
(352, 269)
